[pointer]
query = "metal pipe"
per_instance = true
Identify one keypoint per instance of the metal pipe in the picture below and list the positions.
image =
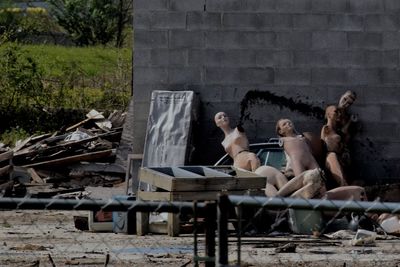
(91, 204)
(316, 204)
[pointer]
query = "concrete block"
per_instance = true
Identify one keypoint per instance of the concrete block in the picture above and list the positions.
(293, 40)
(257, 39)
(388, 95)
(232, 39)
(168, 20)
(310, 58)
(187, 75)
(141, 57)
(223, 57)
(187, 5)
(382, 22)
(247, 21)
(329, 76)
(329, 6)
(271, 58)
(334, 40)
(186, 39)
(225, 5)
(366, 6)
(390, 113)
(392, 6)
(260, 5)
(145, 75)
(212, 93)
(375, 129)
(203, 21)
(168, 57)
(310, 22)
(282, 21)
(345, 22)
(295, 6)
(141, 110)
(382, 58)
(142, 20)
(390, 40)
(150, 39)
(365, 40)
(215, 75)
(293, 76)
(354, 58)
(140, 5)
(391, 76)
(371, 76)
(139, 133)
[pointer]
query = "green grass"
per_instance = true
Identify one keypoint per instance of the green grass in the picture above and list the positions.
(91, 61)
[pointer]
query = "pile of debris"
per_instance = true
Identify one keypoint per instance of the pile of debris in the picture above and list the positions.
(64, 162)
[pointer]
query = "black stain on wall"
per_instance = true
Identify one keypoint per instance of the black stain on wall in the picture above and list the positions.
(254, 96)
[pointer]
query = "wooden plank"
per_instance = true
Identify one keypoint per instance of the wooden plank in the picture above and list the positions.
(72, 159)
(157, 179)
(244, 180)
(35, 177)
(5, 170)
(70, 144)
(191, 196)
(6, 155)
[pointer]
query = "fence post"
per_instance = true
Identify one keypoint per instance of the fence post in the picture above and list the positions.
(210, 227)
(223, 209)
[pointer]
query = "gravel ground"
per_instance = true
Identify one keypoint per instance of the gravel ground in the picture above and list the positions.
(49, 238)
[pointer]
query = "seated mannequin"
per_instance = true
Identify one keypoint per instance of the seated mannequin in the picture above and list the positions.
(236, 144)
(309, 180)
(334, 144)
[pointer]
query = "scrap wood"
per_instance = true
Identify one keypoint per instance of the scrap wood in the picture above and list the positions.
(92, 115)
(70, 144)
(35, 177)
(51, 192)
(72, 159)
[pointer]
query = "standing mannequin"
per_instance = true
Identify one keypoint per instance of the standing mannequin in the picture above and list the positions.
(236, 144)
(334, 144)
(345, 120)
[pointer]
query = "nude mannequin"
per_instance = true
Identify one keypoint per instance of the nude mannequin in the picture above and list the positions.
(334, 145)
(236, 144)
(345, 120)
(308, 181)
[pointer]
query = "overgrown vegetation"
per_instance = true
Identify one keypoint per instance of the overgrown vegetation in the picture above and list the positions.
(93, 22)
(42, 85)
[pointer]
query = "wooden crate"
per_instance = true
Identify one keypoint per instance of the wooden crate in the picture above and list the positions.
(191, 183)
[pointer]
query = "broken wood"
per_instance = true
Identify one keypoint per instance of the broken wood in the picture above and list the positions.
(72, 159)
(35, 177)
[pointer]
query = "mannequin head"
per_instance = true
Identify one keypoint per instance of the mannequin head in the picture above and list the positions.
(331, 113)
(221, 119)
(285, 127)
(347, 99)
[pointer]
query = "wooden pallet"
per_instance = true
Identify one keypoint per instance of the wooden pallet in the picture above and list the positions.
(190, 184)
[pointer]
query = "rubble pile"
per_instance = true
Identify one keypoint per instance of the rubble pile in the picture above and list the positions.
(64, 162)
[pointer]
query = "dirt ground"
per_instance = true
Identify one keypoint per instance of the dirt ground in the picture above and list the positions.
(49, 238)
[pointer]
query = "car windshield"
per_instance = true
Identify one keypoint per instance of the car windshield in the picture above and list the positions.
(269, 153)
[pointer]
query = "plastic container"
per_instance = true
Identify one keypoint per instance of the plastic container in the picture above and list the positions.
(363, 237)
(96, 225)
(124, 222)
(305, 221)
(391, 225)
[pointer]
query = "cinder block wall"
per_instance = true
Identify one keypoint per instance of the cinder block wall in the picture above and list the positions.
(260, 60)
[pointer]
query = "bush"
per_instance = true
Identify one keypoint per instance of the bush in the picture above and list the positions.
(21, 79)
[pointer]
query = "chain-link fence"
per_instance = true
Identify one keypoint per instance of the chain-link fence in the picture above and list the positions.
(300, 232)
(234, 231)
(44, 232)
